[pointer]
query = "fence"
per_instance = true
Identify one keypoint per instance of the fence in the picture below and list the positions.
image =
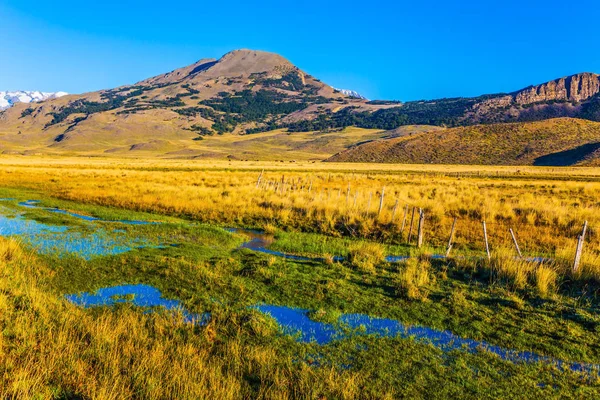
(411, 224)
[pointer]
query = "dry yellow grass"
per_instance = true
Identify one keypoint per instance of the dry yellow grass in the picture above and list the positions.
(366, 256)
(545, 206)
(413, 277)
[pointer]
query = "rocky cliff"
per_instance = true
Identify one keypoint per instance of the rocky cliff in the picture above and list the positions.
(572, 88)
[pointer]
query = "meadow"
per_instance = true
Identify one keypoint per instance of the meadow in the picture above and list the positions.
(52, 348)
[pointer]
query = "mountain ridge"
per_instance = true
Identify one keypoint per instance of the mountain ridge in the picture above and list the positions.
(249, 92)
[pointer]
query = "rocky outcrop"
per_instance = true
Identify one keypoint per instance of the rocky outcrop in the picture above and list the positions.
(573, 88)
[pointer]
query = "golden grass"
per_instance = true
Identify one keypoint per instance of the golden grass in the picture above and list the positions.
(510, 269)
(413, 278)
(545, 206)
(486, 144)
(365, 256)
(545, 277)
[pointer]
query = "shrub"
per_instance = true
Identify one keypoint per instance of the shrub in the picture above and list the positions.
(511, 270)
(413, 278)
(365, 256)
(545, 280)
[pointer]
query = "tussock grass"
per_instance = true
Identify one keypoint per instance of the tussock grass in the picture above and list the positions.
(414, 277)
(545, 277)
(545, 206)
(520, 274)
(511, 270)
(365, 256)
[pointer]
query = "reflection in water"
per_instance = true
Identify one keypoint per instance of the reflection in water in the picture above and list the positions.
(295, 321)
(259, 241)
(34, 204)
(52, 239)
(138, 295)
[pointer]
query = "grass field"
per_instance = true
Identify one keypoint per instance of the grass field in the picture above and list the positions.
(53, 349)
(138, 138)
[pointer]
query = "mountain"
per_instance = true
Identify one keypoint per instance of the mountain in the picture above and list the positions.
(558, 142)
(8, 99)
(576, 96)
(185, 112)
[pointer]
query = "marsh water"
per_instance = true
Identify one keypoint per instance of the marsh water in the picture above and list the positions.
(297, 323)
(104, 237)
(62, 239)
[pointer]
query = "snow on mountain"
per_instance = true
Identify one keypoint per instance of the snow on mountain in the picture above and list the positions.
(351, 93)
(7, 99)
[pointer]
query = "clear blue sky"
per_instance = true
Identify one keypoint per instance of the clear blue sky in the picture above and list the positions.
(403, 50)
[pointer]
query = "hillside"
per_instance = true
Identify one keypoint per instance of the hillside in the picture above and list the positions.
(243, 92)
(576, 96)
(559, 142)
(208, 109)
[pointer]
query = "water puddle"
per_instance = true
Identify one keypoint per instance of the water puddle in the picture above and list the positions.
(139, 295)
(260, 241)
(295, 321)
(101, 244)
(54, 239)
(47, 238)
(35, 204)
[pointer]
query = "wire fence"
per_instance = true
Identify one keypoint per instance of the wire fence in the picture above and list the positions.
(410, 223)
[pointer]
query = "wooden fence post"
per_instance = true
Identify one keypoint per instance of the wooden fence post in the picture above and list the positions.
(404, 219)
(579, 250)
(421, 227)
(451, 238)
(348, 194)
(411, 226)
(259, 178)
(369, 203)
(487, 246)
(394, 211)
(514, 238)
(381, 202)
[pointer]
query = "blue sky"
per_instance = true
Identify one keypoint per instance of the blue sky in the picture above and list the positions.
(383, 49)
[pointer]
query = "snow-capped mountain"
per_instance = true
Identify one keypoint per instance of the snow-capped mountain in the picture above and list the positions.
(351, 93)
(7, 99)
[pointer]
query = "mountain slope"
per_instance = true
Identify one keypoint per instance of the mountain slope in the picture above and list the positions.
(244, 91)
(248, 92)
(576, 96)
(562, 141)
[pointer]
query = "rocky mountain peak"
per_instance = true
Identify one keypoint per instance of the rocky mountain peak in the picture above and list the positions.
(236, 63)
